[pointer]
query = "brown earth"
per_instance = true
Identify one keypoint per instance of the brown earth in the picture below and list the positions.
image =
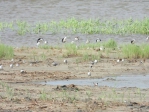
(21, 92)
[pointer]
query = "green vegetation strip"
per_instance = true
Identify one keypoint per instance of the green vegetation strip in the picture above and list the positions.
(6, 51)
(84, 26)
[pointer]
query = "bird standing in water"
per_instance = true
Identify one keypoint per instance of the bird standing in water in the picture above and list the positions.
(64, 39)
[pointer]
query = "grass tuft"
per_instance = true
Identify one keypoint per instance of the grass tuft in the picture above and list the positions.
(110, 44)
(135, 51)
(6, 52)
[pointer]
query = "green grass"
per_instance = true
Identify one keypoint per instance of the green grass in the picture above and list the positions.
(88, 57)
(6, 52)
(71, 50)
(110, 44)
(45, 46)
(135, 51)
(83, 26)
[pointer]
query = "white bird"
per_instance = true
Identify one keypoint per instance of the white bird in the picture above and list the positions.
(38, 43)
(46, 42)
(11, 65)
(95, 61)
(65, 61)
(147, 38)
(22, 71)
(64, 39)
(1, 67)
(89, 73)
(101, 48)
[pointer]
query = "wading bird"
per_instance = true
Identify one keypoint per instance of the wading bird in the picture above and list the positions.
(64, 39)
(76, 38)
(98, 40)
(132, 41)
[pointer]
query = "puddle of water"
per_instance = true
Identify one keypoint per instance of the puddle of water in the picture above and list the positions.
(138, 81)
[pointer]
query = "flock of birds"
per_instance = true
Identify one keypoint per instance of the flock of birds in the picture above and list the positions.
(63, 40)
(41, 40)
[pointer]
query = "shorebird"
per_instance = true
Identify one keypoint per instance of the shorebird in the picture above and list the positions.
(98, 40)
(89, 73)
(64, 39)
(38, 43)
(120, 60)
(95, 84)
(22, 71)
(132, 41)
(54, 64)
(95, 61)
(101, 48)
(11, 65)
(147, 38)
(76, 38)
(46, 42)
(39, 40)
(65, 61)
(1, 67)
(91, 66)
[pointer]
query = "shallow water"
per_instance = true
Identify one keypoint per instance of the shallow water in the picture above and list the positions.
(138, 81)
(33, 11)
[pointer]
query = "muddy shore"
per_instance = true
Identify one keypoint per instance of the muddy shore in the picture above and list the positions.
(20, 92)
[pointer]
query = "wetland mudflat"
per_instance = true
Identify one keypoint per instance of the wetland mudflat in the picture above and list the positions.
(109, 61)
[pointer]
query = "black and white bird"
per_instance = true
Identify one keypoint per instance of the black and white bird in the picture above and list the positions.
(39, 40)
(120, 60)
(98, 40)
(76, 38)
(65, 61)
(22, 71)
(64, 39)
(95, 84)
(54, 63)
(132, 41)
